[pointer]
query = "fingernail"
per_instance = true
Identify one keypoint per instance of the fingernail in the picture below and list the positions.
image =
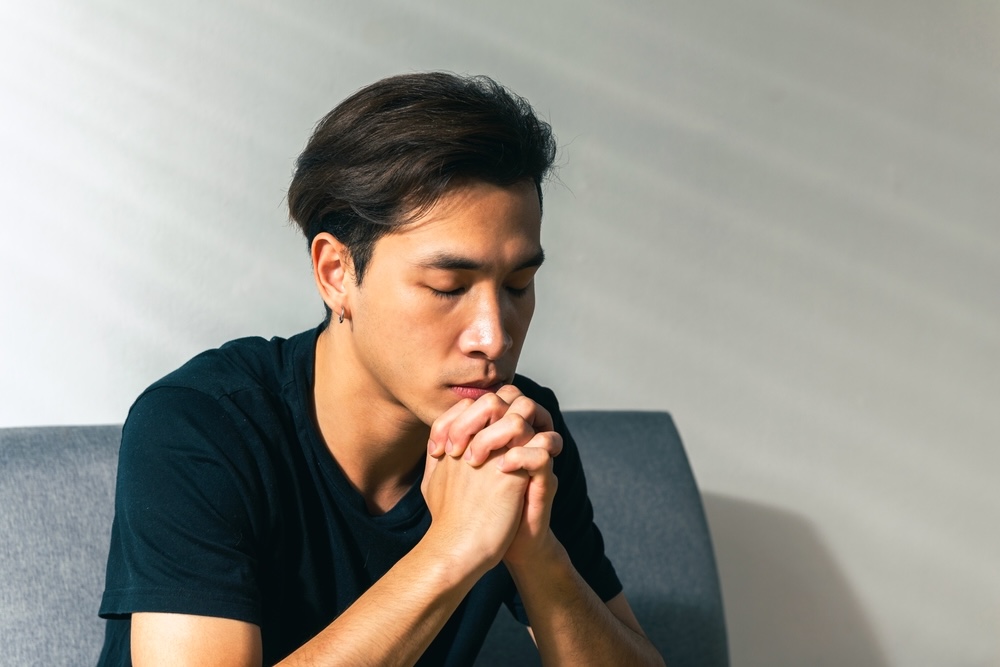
(449, 446)
(468, 454)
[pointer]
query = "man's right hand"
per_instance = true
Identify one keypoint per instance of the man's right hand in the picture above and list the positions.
(505, 433)
(475, 511)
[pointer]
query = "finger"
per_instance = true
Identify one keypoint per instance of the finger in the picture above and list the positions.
(430, 463)
(434, 450)
(438, 441)
(509, 393)
(532, 460)
(515, 429)
(486, 410)
(510, 431)
(550, 441)
(538, 497)
(533, 413)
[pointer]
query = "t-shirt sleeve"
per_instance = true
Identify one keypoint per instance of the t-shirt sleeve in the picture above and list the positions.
(183, 539)
(572, 519)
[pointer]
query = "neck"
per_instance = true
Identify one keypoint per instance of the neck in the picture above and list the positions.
(377, 442)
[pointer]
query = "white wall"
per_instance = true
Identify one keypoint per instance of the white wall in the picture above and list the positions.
(778, 220)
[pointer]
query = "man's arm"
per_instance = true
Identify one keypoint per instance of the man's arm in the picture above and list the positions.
(395, 621)
(184, 639)
(571, 625)
(391, 624)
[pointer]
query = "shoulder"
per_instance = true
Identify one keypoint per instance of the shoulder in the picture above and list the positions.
(239, 364)
(233, 392)
(252, 364)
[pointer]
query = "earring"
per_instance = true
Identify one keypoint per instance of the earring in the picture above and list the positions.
(340, 320)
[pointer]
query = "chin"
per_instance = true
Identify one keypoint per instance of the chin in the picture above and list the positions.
(429, 412)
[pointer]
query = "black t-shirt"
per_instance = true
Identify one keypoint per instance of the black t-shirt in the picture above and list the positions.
(229, 504)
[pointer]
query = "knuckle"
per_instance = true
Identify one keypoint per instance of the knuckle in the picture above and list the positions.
(438, 429)
(461, 406)
(509, 390)
(443, 422)
(479, 445)
(532, 458)
(525, 404)
(483, 444)
(518, 430)
(497, 406)
(466, 422)
(517, 421)
(549, 441)
(492, 400)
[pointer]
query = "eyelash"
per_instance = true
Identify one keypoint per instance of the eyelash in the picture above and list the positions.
(514, 291)
(448, 295)
(519, 291)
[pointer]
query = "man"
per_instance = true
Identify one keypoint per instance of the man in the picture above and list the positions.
(371, 492)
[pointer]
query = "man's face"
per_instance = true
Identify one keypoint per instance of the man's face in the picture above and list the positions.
(446, 300)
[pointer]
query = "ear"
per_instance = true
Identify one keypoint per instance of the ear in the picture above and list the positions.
(332, 270)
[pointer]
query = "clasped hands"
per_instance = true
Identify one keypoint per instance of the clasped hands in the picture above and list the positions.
(488, 479)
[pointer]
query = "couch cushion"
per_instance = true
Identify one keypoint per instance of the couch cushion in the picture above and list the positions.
(56, 506)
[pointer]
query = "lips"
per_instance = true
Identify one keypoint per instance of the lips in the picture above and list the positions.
(474, 390)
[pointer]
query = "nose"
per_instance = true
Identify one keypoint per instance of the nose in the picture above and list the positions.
(485, 334)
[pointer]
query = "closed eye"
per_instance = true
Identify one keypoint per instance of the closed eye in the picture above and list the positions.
(518, 291)
(448, 294)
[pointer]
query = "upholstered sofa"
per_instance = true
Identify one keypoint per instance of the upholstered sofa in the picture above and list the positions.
(56, 505)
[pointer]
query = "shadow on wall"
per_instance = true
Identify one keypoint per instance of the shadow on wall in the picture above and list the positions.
(787, 603)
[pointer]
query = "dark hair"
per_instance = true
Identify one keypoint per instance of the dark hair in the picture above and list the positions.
(390, 150)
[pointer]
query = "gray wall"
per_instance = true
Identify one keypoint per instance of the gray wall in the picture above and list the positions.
(778, 220)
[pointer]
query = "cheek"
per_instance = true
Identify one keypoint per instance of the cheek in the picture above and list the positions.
(386, 313)
(421, 324)
(525, 308)
(520, 318)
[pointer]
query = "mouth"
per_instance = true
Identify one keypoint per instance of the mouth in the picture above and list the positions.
(474, 390)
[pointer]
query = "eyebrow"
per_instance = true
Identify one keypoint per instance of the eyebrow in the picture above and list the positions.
(450, 262)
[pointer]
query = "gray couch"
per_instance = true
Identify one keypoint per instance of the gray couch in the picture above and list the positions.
(57, 498)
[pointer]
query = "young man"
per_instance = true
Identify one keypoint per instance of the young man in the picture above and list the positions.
(372, 491)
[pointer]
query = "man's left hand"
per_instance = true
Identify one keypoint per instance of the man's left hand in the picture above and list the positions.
(507, 420)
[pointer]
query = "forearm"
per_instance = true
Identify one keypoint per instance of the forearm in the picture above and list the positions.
(395, 621)
(570, 623)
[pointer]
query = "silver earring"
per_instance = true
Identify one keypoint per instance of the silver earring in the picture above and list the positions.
(340, 320)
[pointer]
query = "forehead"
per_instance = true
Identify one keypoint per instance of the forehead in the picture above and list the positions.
(485, 223)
